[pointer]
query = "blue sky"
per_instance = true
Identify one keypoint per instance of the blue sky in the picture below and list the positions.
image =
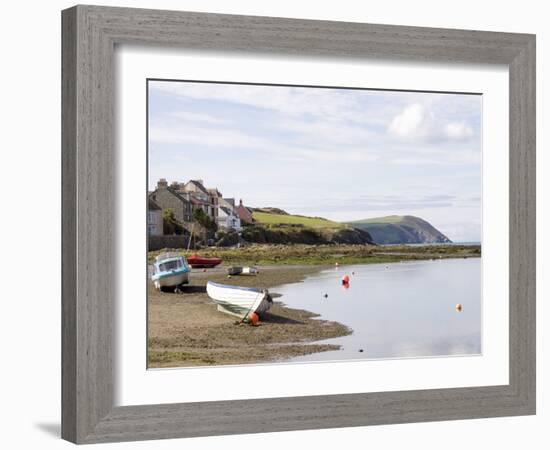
(342, 154)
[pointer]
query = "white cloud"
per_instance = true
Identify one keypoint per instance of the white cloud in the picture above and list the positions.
(203, 136)
(197, 117)
(417, 122)
(458, 130)
(411, 122)
(338, 105)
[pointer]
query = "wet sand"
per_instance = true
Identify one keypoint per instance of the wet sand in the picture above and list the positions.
(187, 329)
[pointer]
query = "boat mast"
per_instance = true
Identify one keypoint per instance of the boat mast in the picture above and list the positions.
(190, 236)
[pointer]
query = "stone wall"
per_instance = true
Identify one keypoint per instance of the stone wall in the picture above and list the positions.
(160, 242)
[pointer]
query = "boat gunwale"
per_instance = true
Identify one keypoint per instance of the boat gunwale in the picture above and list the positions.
(242, 288)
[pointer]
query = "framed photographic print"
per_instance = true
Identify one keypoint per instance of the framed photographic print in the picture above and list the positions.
(267, 222)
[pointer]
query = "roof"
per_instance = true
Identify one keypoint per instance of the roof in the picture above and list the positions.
(152, 206)
(196, 201)
(226, 210)
(199, 185)
(174, 193)
(214, 191)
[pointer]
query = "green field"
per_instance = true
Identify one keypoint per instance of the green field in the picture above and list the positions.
(288, 219)
(387, 219)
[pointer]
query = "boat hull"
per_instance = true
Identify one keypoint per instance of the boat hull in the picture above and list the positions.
(235, 270)
(171, 280)
(203, 263)
(239, 301)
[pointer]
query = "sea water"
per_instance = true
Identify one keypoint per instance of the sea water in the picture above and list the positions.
(396, 310)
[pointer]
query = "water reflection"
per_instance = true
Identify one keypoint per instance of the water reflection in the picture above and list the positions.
(396, 310)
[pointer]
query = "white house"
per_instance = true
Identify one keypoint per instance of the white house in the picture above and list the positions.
(154, 219)
(228, 219)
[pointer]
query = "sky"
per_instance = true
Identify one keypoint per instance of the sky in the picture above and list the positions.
(342, 154)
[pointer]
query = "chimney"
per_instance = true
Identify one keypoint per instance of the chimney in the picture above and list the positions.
(162, 183)
(175, 185)
(241, 202)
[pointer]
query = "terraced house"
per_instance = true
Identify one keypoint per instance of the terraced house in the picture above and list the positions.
(184, 198)
(168, 197)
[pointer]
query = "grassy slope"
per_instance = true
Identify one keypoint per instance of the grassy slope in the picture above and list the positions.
(288, 219)
(387, 219)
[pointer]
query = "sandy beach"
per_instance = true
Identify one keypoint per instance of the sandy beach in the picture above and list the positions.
(187, 330)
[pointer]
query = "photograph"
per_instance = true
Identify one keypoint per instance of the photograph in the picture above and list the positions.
(295, 224)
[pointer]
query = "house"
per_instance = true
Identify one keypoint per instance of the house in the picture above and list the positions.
(229, 202)
(195, 191)
(167, 197)
(214, 198)
(154, 218)
(244, 213)
(228, 219)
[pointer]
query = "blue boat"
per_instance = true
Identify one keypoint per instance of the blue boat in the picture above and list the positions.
(170, 271)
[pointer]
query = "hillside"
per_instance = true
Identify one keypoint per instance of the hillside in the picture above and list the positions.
(400, 230)
(275, 226)
(283, 218)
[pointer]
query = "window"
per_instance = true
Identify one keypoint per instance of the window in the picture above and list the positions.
(170, 265)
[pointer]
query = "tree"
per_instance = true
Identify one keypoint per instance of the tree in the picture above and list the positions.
(170, 225)
(204, 219)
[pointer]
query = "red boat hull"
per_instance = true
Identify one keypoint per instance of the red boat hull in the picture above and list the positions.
(197, 262)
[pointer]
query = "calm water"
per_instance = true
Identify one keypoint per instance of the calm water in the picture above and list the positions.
(396, 310)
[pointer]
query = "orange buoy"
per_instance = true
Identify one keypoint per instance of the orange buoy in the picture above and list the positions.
(345, 279)
(458, 307)
(253, 319)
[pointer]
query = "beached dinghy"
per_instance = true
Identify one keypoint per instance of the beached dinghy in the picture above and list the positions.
(239, 301)
(170, 270)
(197, 261)
(237, 270)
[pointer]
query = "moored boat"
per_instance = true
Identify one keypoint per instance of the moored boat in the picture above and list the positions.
(237, 270)
(197, 261)
(239, 301)
(170, 270)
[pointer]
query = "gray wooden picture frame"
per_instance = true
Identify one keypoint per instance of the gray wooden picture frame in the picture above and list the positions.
(90, 34)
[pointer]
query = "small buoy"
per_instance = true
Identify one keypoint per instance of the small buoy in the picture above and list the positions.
(204, 270)
(345, 279)
(253, 319)
(326, 295)
(228, 276)
(458, 307)
(360, 350)
(387, 267)
(336, 264)
(353, 273)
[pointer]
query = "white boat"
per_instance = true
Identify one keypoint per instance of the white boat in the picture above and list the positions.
(170, 270)
(239, 301)
(237, 270)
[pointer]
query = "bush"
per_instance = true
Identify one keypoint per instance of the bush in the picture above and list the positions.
(169, 223)
(204, 219)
